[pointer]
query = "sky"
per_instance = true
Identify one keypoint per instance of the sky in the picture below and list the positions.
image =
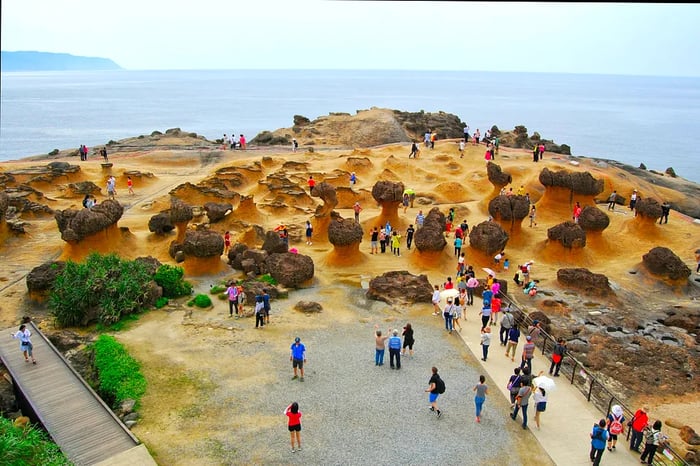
(598, 38)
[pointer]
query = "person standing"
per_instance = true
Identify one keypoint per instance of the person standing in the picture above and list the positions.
(639, 421)
(395, 349)
(612, 199)
(259, 311)
(448, 313)
(521, 402)
(540, 399)
(435, 386)
(472, 284)
(103, 153)
(266, 306)
(379, 346)
(458, 246)
(295, 145)
(477, 136)
(506, 324)
(615, 425)
(436, 301)
(665, 210)
(298, 358)
(232, 292)
(577, 212)
(408, 340)
(311, 182)
(405, 201)
(374, 241)
(485, 342)
(652, 442)
(309, 232)
(357, 209)
(481, 390)
(426, 138)
(409, 236)
(25, 343)
(396, 243)
(242, 142)
(461, 149)
(130, 185)
(414, 150)
(536, 153)
(528, 353)
(353, 178)
(633, 199)
(466, 132)
(382, 240)
(541, 150)
(419, 220)
(533, 214)
(557, 357)
(598, 437)
(512, 345)
(485, 314)
(294, 424)
(111, 187)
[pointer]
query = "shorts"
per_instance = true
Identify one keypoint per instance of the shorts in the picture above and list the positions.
(408, 344)
(375, 244)
(298, 363)
(612, 437)
(433, 397)
(296, 428)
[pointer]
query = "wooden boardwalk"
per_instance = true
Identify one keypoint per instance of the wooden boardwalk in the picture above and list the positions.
(87, 431)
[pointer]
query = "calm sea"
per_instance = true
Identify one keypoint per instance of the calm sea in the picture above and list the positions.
(633, 119)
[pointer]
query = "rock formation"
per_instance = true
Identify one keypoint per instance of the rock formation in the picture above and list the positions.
(563, 188)
(161, 224)
(217, 211)
(400, 287)
(203, 243)
(180, 215)
(497, 177)
(273, 243)
(593, 219)
(509, 211)
(290, 270)
(388, 195)
(488, 237)
(431, 237)
(569, 234)
(595, 284)
(4, 204)
(664, 262)
(308, 307)
(75, 225)
(326, 192)
(648, 210)
(345, 235)
(41, 278)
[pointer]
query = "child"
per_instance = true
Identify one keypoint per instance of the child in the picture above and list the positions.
(353, 178)
(294, 424)
(309, 232)
(448, 226)
(506, 264)
(461, 149)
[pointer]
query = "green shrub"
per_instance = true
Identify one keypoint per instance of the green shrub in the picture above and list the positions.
(267, 278)
(104, 288)
(216, 289)
(27, 446)
(119, 326)
(201, 300)
(161, 302)
(118, 373)
(170, 278)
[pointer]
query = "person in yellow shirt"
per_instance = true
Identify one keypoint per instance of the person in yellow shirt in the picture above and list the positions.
(521, 190)
(395, 243)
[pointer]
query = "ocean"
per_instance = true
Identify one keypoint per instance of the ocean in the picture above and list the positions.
(633, 119)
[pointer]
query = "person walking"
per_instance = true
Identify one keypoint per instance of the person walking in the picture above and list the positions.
(111, 187)
(357, 209)
(353, 178)
(309, 232)
(380, 345)
(298, 358)
(507, 323)
(639, 422)
(294, 424)
(612, 199)
(396, 243)
(436, 386)
(513, 385)
(472, 284)
(312, 183)
(521, 402)
(512, 344)
(227, 242)
(458, 246)
(598, 437)
(25, 343)
(436, 301)
(654, 438)
(414, 150)
(374, 241)
(528, 353)
(533, 214)
(485, 314)
(232, 293)
(382, 240)
(395, 349)
(481, 390)
(420, 218)
(557, 356)
(665, 210)
(408, 340)
(615, 425)
(457, 314)
(448, 313)
(485, 342)
(259, 311)
(409, 236)
(266, 306)
(540, 399)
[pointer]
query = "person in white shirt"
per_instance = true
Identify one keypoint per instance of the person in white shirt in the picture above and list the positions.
(436, 301)
(25, 343)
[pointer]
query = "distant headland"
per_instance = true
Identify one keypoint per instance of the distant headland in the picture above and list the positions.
(46, 61)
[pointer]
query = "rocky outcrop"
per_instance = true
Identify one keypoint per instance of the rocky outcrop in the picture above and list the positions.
(150, 263)
(590, 283)
(161, 224)
(569, 234)
(308, 307)
(509, 211)
(344, 232)
(497, 177)
(388, 195)
(432, 236)
(326, 192)
(400, 287)
(84, 187)
(75, 225)
(664, 262)
(593, 219)
(217, 211)
(4, 204)
(41, 278)
(273, 243)
(488, 237)
(203, 243)
(648, 209)
(290, 270)
(235, 255)
(578, 182)
(180, 212)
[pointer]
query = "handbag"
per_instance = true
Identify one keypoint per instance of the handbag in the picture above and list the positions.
(556, 358)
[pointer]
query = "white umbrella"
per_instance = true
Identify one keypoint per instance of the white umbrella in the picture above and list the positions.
(444, 294)
(489, 271)
(544, 382)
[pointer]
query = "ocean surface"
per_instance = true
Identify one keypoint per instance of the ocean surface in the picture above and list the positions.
(633, 119)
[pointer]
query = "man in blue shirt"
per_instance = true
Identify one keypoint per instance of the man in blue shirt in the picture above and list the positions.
(266, 305)
(395, 349)
(298, 358)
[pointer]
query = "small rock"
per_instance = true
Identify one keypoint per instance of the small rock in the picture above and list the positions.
(131, 417)
(308, 306)
(130, 424)
(127, 406)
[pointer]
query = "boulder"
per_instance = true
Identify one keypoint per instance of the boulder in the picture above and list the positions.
(509, 208)
(648, 207)
(400, 287)
(497, 177)
(593, 219)
(662, 261)
(308, 307)
(217, 211)
(151, 263)
(431, 237)
(4, 204)
(578, 182)
(161, 224)
(273, 243)
(344, 232)
(248, 266)
(84, 187)
(388, 192)
(203, 243)
(290, 270)
(75, 225)
(569, 234)
(41, 278)
(179, 211)
(488, 237)
(235, 255)
(689, 436)
(583, 279)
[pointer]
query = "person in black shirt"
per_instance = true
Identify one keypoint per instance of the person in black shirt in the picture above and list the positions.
(409, 236)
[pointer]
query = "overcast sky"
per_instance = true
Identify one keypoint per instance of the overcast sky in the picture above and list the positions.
(636, 39)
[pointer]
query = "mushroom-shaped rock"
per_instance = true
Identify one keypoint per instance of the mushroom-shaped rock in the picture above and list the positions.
(388, 195)
(84, 187)
(509, 211)
(662, 261)
(235, 255)
(290, 270)
(569, 234)
(578, 182)
(488, 237)
(180, 212)
(327, 193)
(41, 278)
(75, 225)
(648, 209)
(344, 232)
(400, 287)
(273, 243)
(498, 177)
(217, 211)
(593, 219)
(160, 224)
(203, 243)
(590, 283)
(4, 203)
(431, 237)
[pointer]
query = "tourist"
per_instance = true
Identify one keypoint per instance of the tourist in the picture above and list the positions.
(382, 240)
(242, 142)
(25, 343)
(466, 132)
(457, 314)
(633, 199)
(458, 247)
(405, 200)
(528, 353)
(541, 150)
(598, 438)
(462, 288)
(435, 385)
(395, 349)
(433, 138)
(540, 398)
(419, 220)
(379, 345)
(521, 402)
(266, 305)
(448, 227)
(485, 342)
(374, 241)
(448, 285)
(535, 330)
(461, 266)
(481, 390)
(396, 243)
(426, 138)
(353, 178)
(311, 182)
(461, 149)
(612, 199)
(387, 230)
(507, 322)
(298, 358)
(309, 232)
(639, 423)
(227, 242)
(506, 264)
(241, 300)
(513, 386)
(414, 150)
(130, 185)
(86, 200)
(533, 213)
(464, 226)
(477, 136)
(408, 340)
(487, 294)
(536, 153)
(232, 141)
(665, 210)
(111, 187)
(697, 259)
(654, 438)
(409, 236)
(615, 425)
(232, 292)
(521, 190)
(577, 212)
(448, 314)
(558, 356)
(436, 300)
(283, 233)
(513, 337)
(357, 209)
(103, 153)
(472, 284)
(295, 145)
(294, 424)
(495, 306)
(485, 314)
(259, 311)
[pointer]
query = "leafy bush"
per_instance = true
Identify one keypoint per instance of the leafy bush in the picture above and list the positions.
(267, 278)
(216, 289)
(119, 326)
(103, 288)
(162, 301)
(170, 278)
(119, 374)
(201, 300)
(26, 446)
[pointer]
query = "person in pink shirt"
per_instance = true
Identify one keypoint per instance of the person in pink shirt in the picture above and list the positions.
(242, 142)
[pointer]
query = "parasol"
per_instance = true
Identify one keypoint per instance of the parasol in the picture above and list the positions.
(544, 382)
(489, 271)
(444, 294)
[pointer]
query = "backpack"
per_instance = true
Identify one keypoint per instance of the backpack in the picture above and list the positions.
(440, 385)
(615, 426)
